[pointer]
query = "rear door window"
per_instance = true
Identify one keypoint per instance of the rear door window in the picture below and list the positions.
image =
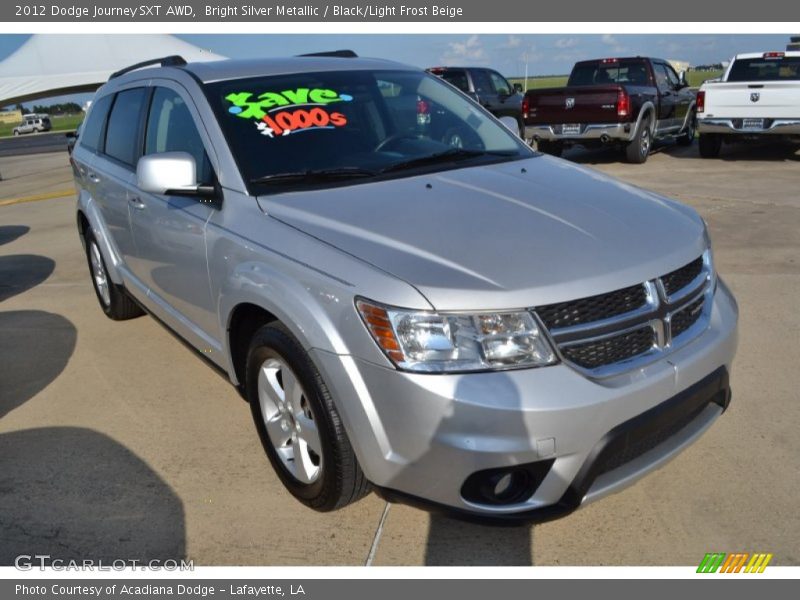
(122, 133)
(457, 78)
(482, 82)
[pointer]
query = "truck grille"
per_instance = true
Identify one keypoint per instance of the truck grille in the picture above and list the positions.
(609, 333)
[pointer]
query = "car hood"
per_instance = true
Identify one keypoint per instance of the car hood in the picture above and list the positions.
(509, 235)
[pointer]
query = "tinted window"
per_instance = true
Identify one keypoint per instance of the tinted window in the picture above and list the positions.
(500, 84)
(170, 128)
(122, 133)
(456, 78)
(766, 69)
(92, 131)
(482, 83)
(662, 79)
(616, 71)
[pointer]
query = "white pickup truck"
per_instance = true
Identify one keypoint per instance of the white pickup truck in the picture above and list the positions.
(758, 96)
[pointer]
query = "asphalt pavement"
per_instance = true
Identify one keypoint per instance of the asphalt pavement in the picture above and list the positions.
(116, 440)
(33, 143)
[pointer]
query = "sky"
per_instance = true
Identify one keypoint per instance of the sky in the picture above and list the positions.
(544, 54)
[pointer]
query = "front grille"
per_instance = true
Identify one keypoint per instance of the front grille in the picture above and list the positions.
(680, 278)
(683, 319)
(602, 333)
(591, 355)
(639, 443)
(593, 308)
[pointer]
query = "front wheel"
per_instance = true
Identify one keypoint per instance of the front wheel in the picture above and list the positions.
(300, 429)
(710, 145)
(638, 148)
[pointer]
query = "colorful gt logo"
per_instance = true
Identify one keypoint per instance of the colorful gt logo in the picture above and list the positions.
(734, 563)
(277, 113)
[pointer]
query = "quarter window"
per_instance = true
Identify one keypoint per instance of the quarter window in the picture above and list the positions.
(91, 135)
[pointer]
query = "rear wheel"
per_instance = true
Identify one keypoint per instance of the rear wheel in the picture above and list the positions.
(552, 148)
(638, 148)
(113, 299)
(687, 137)
(300, 429)
(710, 145)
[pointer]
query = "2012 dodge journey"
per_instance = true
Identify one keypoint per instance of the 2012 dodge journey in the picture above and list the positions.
(475, 327)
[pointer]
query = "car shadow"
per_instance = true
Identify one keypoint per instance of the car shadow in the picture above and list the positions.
(458, 543)
(9, 233)
(35, 346)
(764, 151)
(612, 154)
(74, 493)
(21, 272)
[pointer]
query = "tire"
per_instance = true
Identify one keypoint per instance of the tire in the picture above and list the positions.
(327, 475)
(16, 132)
(453, 138)
(114, 300)
(551, 148)
(687, 137)
(710, 145)
(638, 149)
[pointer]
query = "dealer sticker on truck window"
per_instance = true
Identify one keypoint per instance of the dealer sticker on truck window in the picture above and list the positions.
(279, 113)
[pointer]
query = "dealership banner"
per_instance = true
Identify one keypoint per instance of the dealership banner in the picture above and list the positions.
(478, 11)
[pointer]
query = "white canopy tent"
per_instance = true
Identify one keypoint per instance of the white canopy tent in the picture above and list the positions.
(57, 64)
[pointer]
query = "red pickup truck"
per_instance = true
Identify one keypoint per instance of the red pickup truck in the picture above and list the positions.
(627, 102)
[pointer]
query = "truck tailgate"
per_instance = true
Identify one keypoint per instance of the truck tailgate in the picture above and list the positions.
(583, 104)
(770, 99)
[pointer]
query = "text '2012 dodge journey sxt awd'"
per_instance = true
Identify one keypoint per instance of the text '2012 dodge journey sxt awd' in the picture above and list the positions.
(476, 328)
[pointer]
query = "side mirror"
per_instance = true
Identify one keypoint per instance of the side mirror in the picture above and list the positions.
(511, 124)
(71, 135)
(518, 88)
(682, 79)
(173, 173)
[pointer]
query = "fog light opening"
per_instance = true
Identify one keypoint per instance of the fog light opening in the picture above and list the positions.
(506, 485)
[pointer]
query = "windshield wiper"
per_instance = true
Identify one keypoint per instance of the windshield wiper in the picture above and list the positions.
(315, 175)
(449, 155)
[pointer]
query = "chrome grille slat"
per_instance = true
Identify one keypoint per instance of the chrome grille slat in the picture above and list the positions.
(614, 343)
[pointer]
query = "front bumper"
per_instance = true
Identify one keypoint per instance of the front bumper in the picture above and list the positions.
(734, 126)
(591, 132)
(419, 437)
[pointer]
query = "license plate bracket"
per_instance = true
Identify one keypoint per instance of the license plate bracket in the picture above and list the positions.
(752, 123)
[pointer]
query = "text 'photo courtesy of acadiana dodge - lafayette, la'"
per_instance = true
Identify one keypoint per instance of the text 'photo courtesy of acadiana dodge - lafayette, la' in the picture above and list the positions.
(154, 589)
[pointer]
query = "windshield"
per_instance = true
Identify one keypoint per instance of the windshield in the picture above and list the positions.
(598, 72)
(780, 68)
(330, 127)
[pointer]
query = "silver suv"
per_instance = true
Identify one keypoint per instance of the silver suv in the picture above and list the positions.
(479, 329)
(33, 124)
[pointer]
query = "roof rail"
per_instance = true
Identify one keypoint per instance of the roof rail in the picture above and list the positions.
(167, 61)
(339, 53)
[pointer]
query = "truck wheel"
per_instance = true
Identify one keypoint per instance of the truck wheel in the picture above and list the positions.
(638, 148)
(687, 137)
(113, 299)
(710, 145)
(16, 132)
(300, 429)
(552, 148)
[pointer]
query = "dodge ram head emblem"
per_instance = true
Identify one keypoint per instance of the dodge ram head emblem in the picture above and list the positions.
(570, 103)
(755, 97)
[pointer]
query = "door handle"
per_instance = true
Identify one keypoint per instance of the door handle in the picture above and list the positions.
(137, 203)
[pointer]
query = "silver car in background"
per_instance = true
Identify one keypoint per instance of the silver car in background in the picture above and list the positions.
(478, 329)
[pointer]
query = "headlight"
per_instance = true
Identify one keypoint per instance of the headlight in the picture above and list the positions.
(430, 342)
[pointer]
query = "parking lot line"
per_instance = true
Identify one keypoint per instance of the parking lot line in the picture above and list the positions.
(37, 197)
